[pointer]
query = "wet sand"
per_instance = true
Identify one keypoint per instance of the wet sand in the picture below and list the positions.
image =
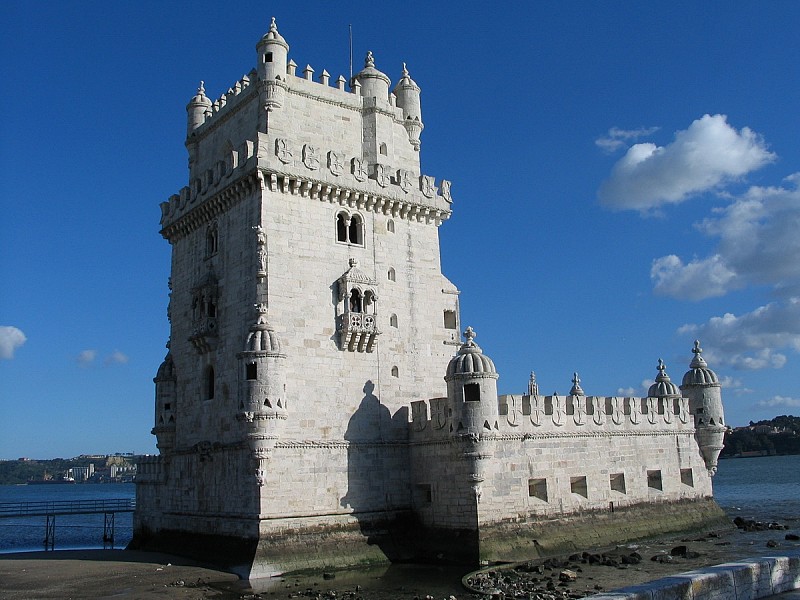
(131, 574)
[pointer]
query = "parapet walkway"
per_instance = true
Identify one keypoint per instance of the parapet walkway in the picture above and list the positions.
(749, 579)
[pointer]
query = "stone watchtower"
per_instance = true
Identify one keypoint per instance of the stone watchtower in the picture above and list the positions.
(307, 310)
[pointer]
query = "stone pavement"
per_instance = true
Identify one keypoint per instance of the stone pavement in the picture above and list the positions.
(764, 577)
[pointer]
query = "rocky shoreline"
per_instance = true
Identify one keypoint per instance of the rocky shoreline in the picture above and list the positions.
(105, 573)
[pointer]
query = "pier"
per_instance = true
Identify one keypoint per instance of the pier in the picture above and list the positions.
(50, 510)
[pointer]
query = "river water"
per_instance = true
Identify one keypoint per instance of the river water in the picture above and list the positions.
(762, 488)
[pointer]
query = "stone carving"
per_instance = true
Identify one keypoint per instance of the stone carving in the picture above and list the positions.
(439, 412)
(428, 186)
(261, 252)
(559, 411)
(514, 416)
(404, 179)
(635, 414)
(616, 411)
(537, 410)
(419, 414)
(282, 151)
(382, 175)
(336, 162)
(651, 410)
(359, 169)
(445, 189)
(311, 157)
(579, 416)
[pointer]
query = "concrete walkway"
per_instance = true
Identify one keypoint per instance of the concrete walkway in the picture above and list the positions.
(764, 577)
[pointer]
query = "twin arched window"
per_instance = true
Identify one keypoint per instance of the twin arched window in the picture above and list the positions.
(349, 228)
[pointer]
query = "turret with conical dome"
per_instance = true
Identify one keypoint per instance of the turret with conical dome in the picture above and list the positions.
(273, 52)
(197, 108)
(407, 93)
(701, 386)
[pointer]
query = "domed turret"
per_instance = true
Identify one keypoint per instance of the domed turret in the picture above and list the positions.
(374, 84)
(262, 386)
(166, 397)
(701, 386)
(663, 386)
(407, 93)
(196, 109)
(472, 388)
(273, 52)
(576, 389)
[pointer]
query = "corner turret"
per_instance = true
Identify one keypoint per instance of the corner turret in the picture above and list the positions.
(407, 93)
(472, 389)
(273, 52)
(196, 110)
(701, 386)
(262, 390)
(166, 399)
(374, 84)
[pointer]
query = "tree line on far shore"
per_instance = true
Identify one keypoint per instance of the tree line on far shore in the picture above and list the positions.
(780, 435)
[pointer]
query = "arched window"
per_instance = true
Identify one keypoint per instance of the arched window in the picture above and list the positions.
(393, 321)
(369, 303)
(341, 227)
(355, 231)
(391, 274)
(210, 383)
(395, 372)
(390, 226)
(382, 149)
(356, 304)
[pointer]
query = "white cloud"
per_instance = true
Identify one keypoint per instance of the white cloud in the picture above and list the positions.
(11, 338)
(86, 357)
(758, 245)
(116, 358)
(627, 392)
(617, 138)
(754, 340)
(703, 157)
(779, 401)
(696, 280)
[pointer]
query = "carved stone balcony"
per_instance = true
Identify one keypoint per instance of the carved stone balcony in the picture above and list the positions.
(357, 331)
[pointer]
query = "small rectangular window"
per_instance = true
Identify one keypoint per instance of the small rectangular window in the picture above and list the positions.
(268, 57)
(537, 488)
(252, 371)
(450, 319)
(577, 485)
(617, 482)
(472, 392)
(687, 477)
(654, 480)
(424, 493)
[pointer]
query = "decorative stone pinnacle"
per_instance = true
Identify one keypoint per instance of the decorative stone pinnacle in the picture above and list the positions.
(575, 379)
(273, 26)
(405, 71)
(369, 61)
(261, 308)
(697, 349)
(470, 334)
(201, 89)
(661, 366)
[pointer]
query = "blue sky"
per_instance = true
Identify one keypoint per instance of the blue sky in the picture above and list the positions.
(625, 180)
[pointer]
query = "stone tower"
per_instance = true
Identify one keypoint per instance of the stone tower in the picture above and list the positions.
(701, 385)
(307, 310)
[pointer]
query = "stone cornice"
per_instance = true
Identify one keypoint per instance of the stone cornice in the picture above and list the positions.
(213, 206)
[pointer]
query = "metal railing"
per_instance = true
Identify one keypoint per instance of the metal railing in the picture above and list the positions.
(66, 507)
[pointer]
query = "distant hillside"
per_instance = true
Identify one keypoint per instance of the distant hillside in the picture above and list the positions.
(780, 435)
(23, 470)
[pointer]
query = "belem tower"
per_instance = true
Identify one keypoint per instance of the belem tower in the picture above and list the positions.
(317, 406)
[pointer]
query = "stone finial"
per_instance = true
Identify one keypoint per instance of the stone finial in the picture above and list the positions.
(661, 366)
(576, 386)
(201, 90)
(291, 67)
(308, 73)
(369, 61)
(273, 26)
(533, 387)
(470, 334)
(697, 349)
(340, 83)
(325, 77)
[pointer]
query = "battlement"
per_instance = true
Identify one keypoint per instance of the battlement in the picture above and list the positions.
(533, 415)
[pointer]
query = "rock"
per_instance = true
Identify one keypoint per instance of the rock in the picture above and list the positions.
(329, 576)
(792, 537)
(679, 551)
(772, 544)
(662, 558)
(567, 575)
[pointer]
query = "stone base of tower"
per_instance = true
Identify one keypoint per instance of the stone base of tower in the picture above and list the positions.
(520, 540)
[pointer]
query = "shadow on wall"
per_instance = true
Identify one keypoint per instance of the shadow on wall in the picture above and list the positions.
(377, 474)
